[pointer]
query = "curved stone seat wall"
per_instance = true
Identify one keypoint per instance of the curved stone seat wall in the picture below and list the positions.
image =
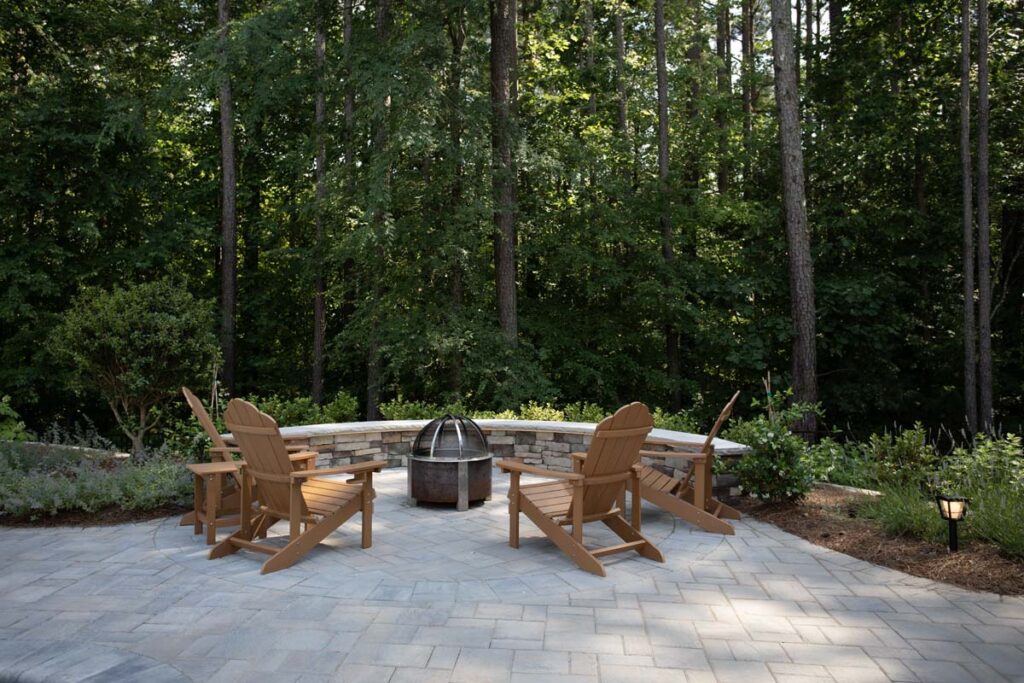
(547, 444)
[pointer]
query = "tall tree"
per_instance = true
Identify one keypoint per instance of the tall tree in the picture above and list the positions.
(986, 417)
(665, 217)
(801, 267)
(622, 123)
(970, 356)
(747, 87)
(503, 171)
(723, 48)
(228, 215)
(319, 120)
(455, 23)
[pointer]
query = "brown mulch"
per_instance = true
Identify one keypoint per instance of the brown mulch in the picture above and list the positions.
(106, 517)
(828, 518)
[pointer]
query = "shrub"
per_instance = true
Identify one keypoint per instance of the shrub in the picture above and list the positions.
(136, 346)
(584, 412)
(537, 411)
(401, 409)
(775, 469)
(840, 463)
(682, 421)
(11, 426)
(903, 510)
(301, 410)
(903, 457)
(996, 514)
(65, 479)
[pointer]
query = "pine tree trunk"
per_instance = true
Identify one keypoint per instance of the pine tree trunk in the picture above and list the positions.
(350, 99)
(620, 89)
(970, 356)
(455, 22)
(985, 414)
(801, 267)
(503, 173)
(667, 233)
(723, 46)
(747, 85)
(319, 303)
(229, 216)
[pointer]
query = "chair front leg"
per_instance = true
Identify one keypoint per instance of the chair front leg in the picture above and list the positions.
(635, 482)
(295, 510)
(367, 507)
(513, 510)
(245, 513)
(577, 510)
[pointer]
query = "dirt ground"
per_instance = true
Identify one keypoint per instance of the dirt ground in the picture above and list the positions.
(106, 517)
(828, 517)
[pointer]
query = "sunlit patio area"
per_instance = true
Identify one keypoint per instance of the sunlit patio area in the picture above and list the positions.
(441, 596)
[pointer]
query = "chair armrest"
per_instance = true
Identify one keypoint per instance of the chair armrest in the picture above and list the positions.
(344, 469)
(297, 447)
(513, 466)
(302, 455)
(668, 455)
(578, 456)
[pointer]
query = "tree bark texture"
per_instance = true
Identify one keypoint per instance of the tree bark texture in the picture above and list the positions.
(229, 215)
(319, 283)
(801, 267)
(667, 232)
(503, 170)
(747, 86)
(967, 194)
(723, 46)
(455, 23)
(620, 90)
(986, 417)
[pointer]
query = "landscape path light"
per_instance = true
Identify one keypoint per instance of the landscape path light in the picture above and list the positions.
(953, 509)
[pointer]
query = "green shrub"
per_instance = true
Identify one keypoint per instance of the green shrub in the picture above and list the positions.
(840, 463)
(682, 421)
(537, 411)
(301, 410)
(992, 462)
(36, 483)
(11, 426)
(996, 513)
(903, 457)
(136, 346)
(401, 409)
(584, 412)
(903, 509)
(775, 469)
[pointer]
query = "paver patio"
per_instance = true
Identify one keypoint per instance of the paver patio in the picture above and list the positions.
(431, 601)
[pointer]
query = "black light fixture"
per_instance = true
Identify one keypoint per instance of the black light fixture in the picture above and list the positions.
(953, 509)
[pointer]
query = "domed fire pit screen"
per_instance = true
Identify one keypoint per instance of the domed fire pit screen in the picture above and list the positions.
(450, 463)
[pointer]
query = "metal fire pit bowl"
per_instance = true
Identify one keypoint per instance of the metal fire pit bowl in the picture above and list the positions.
(450, 463)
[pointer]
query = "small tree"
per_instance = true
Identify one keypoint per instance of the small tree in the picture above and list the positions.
(136, 346)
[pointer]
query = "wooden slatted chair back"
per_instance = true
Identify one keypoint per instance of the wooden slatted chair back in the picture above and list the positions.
(615, 449)
(264, 451)
(199, 410)
(722, 417)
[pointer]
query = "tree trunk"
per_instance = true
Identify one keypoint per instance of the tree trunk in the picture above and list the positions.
(591, 80)
(723, 46)
(835, 16)
(229, 216)
(455, 22)
(667, 233)
(503, 173)
(985, 415)
(809, 16)
(620, 89)
(319, 303)
(801, 267)
(747, 85)
(350, 98)
(970, 354)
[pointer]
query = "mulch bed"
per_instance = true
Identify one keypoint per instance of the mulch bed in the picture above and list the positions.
(828, 518)
(106, 517)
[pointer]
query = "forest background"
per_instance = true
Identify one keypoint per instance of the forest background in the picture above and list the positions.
(371, 257)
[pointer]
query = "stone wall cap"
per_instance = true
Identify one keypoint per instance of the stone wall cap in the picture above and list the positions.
(663, 436)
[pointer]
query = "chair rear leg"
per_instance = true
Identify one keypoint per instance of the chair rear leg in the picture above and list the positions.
(627, 533)
(226, 547)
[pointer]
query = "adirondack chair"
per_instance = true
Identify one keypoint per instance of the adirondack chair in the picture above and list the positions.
(299, 496)
(230, 496)
(595, 492)
(689, 497)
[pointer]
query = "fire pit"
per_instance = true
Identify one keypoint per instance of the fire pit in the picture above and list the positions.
(450, 463)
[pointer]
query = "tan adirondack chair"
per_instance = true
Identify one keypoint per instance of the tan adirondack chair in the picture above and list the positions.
(286, 494)
(595, 492)
(690, 497)
(220, 451)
